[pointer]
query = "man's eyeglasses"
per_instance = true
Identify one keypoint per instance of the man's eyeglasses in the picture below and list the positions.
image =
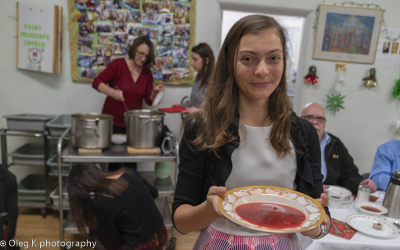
(142, 54)
(310, 118)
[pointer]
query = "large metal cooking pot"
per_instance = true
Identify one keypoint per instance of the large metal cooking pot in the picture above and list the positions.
(91, 130)
(144, 128)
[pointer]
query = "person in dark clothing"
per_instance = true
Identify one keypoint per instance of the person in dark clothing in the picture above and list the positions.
(337, 165)
(117, 207)
(9, 200)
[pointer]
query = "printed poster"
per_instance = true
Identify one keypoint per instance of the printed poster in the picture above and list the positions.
(388, 50)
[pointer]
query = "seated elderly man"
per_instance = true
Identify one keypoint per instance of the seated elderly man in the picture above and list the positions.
(386, 161)
(337, 165)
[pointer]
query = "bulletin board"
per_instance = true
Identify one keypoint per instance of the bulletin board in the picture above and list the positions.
(101, 31)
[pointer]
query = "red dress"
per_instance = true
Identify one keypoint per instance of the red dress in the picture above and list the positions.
(117, 75)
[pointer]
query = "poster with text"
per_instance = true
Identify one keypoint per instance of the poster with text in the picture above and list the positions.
(39, 33)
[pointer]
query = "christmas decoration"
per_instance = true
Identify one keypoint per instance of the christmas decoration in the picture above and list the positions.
(311, 77)
(335, 102)
(340, 68)
(396, 89)
(370, 81)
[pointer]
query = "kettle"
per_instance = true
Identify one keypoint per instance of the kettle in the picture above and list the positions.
(392, 196)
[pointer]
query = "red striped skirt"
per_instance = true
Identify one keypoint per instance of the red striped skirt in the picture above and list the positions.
(211, 239)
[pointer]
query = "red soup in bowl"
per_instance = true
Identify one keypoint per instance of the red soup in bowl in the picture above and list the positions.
(372, 209)
(271, 215)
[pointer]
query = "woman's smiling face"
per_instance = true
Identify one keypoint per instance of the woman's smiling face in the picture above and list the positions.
(259, 65)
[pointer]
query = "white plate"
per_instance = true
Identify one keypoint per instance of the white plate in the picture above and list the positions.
(339, 191)
(118, 138)
(158, 98)
(311, 208)
(364, 224)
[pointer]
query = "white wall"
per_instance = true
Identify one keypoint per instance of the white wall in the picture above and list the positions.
(367, 120)
(370, 114)
(23, 91)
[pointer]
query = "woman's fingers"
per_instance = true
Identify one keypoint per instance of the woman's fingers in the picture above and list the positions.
(213, 195)
(159, 87)
(215, 190)
(118, 95)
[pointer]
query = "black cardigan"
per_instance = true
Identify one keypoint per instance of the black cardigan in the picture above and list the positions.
(199, 170)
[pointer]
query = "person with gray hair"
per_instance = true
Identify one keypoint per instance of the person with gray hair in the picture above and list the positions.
(337, 165)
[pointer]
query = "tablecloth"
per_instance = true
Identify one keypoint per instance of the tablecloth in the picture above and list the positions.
(358, 241)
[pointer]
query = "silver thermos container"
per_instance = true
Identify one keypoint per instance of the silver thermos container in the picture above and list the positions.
(392, 196)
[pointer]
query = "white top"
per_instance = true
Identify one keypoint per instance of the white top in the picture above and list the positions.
(255, 163)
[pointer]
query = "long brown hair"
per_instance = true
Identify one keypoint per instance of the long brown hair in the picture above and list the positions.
(219, 110)
(133, 48)
(84, 181)
(205, 52)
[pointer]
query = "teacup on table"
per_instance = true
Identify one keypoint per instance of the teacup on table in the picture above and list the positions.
(335, 200)
(338, 196)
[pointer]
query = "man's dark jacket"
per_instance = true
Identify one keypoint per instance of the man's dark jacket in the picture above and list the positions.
(340, 165)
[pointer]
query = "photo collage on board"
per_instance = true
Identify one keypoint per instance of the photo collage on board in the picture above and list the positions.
(107, 28)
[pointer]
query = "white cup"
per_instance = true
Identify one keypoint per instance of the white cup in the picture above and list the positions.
(335, 201)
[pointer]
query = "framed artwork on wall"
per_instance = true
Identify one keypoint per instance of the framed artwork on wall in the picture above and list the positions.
(347, 33)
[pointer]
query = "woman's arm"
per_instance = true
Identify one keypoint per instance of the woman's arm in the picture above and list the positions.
(382, 168)
(190, 218)
(117, 94)
(104, 81)
(190, 110)
(195, 203)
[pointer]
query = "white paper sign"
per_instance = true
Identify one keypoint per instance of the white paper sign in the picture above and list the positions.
(36, 37)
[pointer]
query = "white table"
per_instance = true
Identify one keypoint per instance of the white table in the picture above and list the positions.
(358, 241)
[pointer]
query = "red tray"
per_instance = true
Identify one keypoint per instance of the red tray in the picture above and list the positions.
(177, 109)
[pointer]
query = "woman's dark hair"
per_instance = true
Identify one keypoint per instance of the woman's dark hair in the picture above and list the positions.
(86, 180)
(219, 110)
(133, 48)
(205, 52)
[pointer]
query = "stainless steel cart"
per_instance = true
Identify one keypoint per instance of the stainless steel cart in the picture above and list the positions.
(34, 155)
(117, 153)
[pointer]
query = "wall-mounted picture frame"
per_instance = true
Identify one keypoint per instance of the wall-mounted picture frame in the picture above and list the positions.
(347, 33)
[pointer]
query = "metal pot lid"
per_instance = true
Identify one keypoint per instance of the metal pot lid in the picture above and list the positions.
(144, 113)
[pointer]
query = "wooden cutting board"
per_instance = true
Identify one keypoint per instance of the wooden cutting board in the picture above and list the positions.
(90, 150)
(143, 151)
